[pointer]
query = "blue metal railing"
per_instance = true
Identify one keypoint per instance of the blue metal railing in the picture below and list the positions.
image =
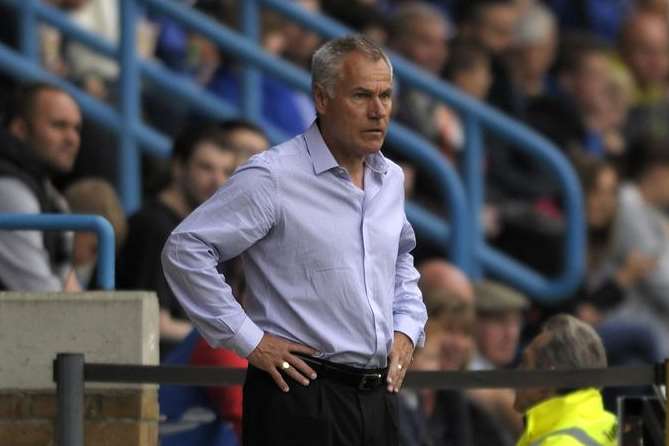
(463, 237)
(59, 222)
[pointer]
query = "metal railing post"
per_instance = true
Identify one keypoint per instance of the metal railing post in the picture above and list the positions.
(129, 169)
(251, 81)
(473, 176)
(68, 222)
(69, 371)
(29, 34)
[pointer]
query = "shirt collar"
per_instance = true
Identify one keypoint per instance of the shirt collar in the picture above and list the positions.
(323, 160)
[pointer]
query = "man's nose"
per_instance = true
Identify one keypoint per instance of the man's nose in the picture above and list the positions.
(377, 109)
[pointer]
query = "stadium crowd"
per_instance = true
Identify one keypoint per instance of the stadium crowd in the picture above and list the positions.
(592, 78)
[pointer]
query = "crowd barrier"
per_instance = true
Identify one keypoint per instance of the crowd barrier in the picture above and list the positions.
(71, 371)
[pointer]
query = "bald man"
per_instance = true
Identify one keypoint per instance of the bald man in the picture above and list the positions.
(644, 47)
(437, 274)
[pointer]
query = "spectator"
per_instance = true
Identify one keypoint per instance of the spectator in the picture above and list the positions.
(245, 137)
(644, 47)
(94, 196)
(202, 160)
(39, 140)
(429, 417)
(227, 400)
(491, 23)
(533, 52)
(468, 69)
(499, 319)
(565, 416)
(640, 225)
(605, 286)
(419, 32)
(437, 274)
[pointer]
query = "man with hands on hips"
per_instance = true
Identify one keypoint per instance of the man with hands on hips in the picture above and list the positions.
(332, 302)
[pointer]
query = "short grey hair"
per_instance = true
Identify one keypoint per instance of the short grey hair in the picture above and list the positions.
(570, 344)
(536, 26)
(327, 60)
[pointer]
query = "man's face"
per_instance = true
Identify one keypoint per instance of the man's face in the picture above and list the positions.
(208, 168)
(52, 130)
(528, 397)
(497, 336)
(426, 46)
(647, 49)
(356, 117)
(589, 89)
(496, 26)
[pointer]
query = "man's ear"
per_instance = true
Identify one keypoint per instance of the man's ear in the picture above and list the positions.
(321, 99)
(18, 128)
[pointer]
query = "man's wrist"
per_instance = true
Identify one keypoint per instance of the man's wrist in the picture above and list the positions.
(247, 338)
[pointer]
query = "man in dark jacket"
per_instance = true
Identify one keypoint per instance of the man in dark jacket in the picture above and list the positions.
(39, 139)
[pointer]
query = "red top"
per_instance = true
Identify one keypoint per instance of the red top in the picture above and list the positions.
(228, 399)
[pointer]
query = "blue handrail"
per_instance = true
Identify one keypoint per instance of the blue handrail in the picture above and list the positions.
(463, 236)
(59, 222)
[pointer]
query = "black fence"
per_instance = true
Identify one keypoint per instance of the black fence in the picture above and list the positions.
(71, 371)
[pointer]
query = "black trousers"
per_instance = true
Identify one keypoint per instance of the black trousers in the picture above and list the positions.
(324, 413)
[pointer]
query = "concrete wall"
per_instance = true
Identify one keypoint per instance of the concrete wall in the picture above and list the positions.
(119, 327)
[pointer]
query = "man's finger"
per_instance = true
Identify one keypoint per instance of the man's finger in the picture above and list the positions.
(302, 367)
(296, 375)
(392, 373)
(278, 379)
(400, 379)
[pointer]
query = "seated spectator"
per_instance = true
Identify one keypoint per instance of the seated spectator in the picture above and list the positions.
(499, 319)
(437, 275)
(245, 137)
(419, 32)
(564, 416)
(533, 52)
(644, 48)
(226, 399)
(468, 69)
(605, 286)
(491, 24)
(446, 417)
(640, 226)
(93, 196)
(38, 141)
(202, 160)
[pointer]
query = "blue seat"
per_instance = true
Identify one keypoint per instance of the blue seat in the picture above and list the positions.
(187, 416)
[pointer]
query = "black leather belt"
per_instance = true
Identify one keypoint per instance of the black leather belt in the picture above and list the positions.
(362, 379)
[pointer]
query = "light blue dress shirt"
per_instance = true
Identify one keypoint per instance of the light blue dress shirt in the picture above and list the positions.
(327, 265)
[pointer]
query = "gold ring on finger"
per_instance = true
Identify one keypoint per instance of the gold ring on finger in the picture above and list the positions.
(285, 365)
(399, 366)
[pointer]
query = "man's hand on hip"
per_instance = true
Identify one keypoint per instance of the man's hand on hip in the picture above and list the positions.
(274, 354)
(400, 357)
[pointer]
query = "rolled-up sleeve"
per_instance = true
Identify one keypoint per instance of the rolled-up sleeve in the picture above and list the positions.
(238, 215)
(409, 313)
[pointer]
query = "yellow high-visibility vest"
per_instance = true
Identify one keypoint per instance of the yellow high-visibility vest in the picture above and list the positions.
(575, 419)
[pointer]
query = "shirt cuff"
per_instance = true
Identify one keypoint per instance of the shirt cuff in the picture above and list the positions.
(247, 338)
(411, 328)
